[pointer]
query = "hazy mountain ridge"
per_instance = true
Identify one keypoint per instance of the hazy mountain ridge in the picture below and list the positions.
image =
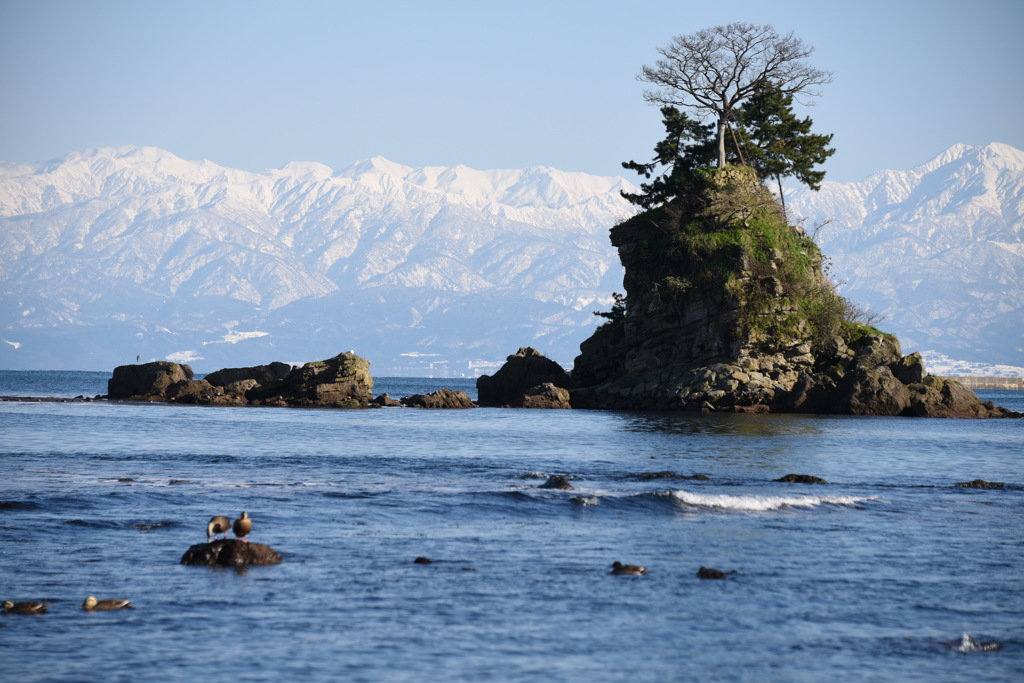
(117, 251)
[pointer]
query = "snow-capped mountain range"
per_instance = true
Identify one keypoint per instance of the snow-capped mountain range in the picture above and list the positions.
(115, 252)
(937, 249)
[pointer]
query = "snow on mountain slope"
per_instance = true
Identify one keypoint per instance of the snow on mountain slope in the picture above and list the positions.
(938, 249)
(140, 240)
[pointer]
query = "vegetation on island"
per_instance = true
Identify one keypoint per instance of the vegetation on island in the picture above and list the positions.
(709, 221)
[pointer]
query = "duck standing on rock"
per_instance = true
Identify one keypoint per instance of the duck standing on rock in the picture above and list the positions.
(29, 607)
(217, 525)
(91, 604)
(243, 527)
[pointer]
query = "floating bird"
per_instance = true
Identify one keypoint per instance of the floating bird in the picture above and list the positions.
(217, 525)
(92, 604)
(630, 569)
(24, 607)
(242, 527)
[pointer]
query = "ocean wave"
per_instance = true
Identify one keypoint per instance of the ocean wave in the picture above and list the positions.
(761, 503)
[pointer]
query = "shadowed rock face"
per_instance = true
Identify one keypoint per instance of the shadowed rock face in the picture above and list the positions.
(146, 382)
(260, 374)
(526, 380)
(230, 553)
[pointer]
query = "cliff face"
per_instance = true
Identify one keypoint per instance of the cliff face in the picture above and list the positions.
(727, 308)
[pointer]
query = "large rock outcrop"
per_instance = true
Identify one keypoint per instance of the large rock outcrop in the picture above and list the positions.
(727, 309)
(340, 382)
(146, 382)
(528, 379)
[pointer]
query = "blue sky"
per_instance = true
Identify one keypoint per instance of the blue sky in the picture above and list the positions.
(255, 84)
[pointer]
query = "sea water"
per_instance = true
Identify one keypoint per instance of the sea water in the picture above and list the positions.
(876, 575)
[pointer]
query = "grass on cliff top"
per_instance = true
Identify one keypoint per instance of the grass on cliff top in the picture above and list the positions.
(730, 233)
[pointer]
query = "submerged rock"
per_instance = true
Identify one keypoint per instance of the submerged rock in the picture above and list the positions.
(230, 553)
(557, 482)
(708, 573)
(981, 484)
(968, 643)
(801, 479)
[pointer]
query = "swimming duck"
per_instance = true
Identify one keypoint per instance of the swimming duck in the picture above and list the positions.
(242, 527)
(92, 604)
(630, 569)
(217, 525)
(28, 607)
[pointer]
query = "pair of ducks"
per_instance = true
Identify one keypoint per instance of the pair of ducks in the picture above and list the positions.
(91, 604)
(220, 525)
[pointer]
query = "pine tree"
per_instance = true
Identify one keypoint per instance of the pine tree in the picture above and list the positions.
(778, 144)
(688, 144)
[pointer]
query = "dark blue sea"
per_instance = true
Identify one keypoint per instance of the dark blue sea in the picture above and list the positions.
(875, 576)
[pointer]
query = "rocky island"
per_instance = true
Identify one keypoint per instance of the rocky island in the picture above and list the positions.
(727, 308)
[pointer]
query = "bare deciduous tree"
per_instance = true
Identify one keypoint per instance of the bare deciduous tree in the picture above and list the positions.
(714, 70)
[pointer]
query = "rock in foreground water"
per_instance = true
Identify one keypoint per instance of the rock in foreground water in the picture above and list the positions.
(230, 553)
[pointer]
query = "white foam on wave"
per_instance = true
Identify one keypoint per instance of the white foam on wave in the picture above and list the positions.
(760, 503)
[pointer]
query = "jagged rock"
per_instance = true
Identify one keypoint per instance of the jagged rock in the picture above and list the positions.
(940, 397)
(340, 382)
(801, 479)
(672, 475)
(385, 401)
(909, 369)
(870, 392)
(442, 398)
(557, 482)
(240, 387)
(192, 391)
(546, 395)
(146, 382)
(810, 394)
(260, 374)
(521, 373)
(981, 484)
(874, 350)
(230, 553)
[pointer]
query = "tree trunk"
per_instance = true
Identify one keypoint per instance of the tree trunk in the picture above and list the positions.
(721, 142)
(782, 197)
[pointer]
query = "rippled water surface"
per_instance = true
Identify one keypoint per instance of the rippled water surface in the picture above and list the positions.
(864, 578)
